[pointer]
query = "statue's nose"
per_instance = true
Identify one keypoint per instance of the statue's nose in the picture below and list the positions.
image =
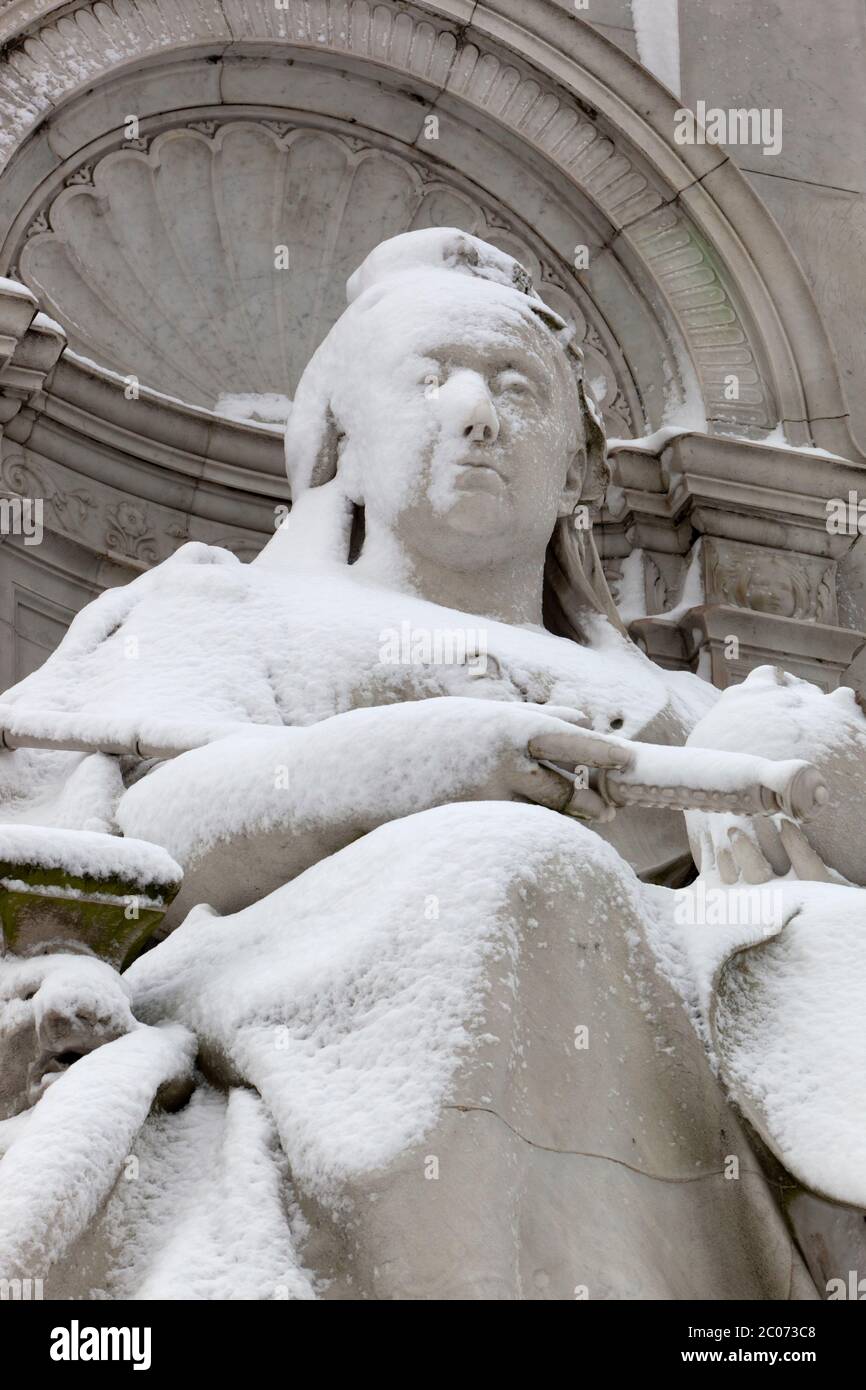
(485, 427)
(472, 409)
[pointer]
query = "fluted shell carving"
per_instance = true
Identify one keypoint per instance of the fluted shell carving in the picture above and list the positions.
(165, 262)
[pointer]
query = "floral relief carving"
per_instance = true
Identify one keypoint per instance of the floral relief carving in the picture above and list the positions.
(71, 508)
(130, 533)
(125, 530)
(39, 224)
(84, 175)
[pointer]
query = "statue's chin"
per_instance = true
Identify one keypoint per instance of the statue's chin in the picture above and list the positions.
(476, 514)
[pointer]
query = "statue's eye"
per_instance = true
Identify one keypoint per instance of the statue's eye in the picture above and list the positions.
(511, 384)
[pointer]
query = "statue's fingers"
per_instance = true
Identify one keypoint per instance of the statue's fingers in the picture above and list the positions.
(558, 792)
(748, 857)
(804, 861)
(706, 857)
(579, 748)
(543, 786)
(771, 845)
(727, 866)
(586, 804)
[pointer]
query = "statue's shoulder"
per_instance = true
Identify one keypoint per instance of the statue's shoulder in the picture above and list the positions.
(188, 595)
(196, 553)
(192, 567)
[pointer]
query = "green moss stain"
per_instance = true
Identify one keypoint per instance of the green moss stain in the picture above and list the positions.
(97, 917)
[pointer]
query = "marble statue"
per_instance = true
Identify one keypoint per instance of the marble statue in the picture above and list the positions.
(439, 1009)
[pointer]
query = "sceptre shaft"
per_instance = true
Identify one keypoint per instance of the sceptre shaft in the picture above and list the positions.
(662, 776)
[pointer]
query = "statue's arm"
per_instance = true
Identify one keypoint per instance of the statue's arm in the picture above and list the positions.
(272, 802)
(251, 811)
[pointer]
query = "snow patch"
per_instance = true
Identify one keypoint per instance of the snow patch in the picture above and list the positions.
(657, 33)
(258, 407)
(86, 853)
(15, 288)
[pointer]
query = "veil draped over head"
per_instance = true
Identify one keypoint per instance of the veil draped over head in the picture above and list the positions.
(575, 588)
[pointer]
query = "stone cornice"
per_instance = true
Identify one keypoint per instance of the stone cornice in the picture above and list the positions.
(816, 651)
(17, 310)
(30, 345)
(86, 399)
(745, 525)
(129, 479)
(732, 487)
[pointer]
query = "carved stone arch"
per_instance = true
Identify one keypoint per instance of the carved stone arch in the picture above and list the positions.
(676, 230)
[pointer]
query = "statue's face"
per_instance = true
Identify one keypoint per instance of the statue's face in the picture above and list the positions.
(463, 439)
(53, 1010)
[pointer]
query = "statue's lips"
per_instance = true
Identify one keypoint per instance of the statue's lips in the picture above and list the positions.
(480, 475)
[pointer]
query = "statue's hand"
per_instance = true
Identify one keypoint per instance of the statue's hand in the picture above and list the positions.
(490, 750)
(740, 849)
(54, 1009)
(534, 749)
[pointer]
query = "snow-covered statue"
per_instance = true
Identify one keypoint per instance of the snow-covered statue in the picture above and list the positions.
(435, 1009)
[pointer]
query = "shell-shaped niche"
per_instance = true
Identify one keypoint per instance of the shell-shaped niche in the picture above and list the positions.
(214, 260)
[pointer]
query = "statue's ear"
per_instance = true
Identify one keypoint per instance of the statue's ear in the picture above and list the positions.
(328, 453)
(589, 474)
(596, 475)
(573, 490)
(313, 442)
